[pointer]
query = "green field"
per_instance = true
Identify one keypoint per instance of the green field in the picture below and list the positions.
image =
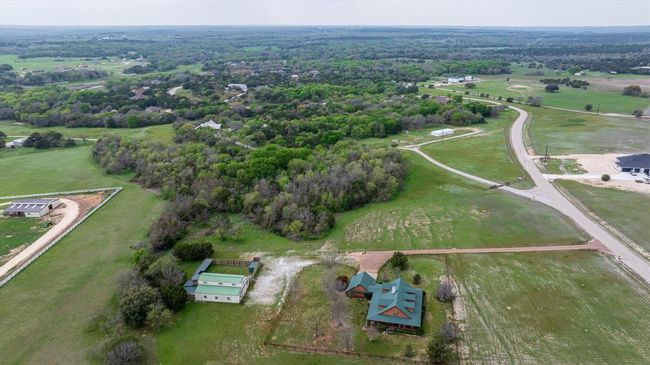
(551, 308)
(486, 155)
(22, 65)
(438, 209)
(566, 133)
(16, 232)
(47, 307)
(162, 133)
(624, 210)
(567, 97)
(562, 166)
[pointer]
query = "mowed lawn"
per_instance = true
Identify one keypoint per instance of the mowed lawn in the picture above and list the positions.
(486, 155)
(625, 210)
(567, 97)
(45, 310)
(440, 210)
(551, 308)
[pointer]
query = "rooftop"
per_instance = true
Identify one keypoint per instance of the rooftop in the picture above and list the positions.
(362, 279)
(217, 290)
(396, 296)
(641, 160)
(221, 278)
(28, 205)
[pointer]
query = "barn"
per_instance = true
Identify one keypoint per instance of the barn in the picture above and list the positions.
(226, 288)
(31, 208)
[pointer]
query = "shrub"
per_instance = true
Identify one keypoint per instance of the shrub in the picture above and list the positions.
(445, 292)
(417, 279)
(632, 90)
(588, 107)
(408, 351)
(135, 304)
(438, 351)
(448, 332)
(551, 88)
(605, 177)
(510, 99)
(174, 297)
(638, 113)
(123, 352)
(165, 272)
(399, 261)
(192, 251)
(159, 317)
(470, 85)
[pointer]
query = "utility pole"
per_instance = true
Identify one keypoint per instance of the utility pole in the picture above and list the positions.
(598, 109)
(546, 155)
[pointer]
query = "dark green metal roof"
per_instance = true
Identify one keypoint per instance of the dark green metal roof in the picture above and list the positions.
(362, 279)
(396, 294)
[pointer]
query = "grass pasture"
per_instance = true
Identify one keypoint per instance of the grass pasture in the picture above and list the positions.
(624, 210)
(16, 232)
(567, 132)
(551, 308)
(562, 166)
(440, 210)
(47, 307)
(567, 97)
(486, 155)
(161, 133)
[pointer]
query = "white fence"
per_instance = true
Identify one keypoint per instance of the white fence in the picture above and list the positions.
(22, 266)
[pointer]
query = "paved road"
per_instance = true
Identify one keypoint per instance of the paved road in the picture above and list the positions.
(70, 213)
(372, 261)
(547, 193)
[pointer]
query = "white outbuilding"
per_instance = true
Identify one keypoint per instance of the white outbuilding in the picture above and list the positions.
(210, 124)
(442, 132)
(31, 208)
(225, 288)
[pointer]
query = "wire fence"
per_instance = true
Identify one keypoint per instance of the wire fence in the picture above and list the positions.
(115, 191)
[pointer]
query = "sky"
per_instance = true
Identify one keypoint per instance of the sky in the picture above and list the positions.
(330, 12)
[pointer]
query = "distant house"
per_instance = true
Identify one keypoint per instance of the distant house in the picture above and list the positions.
(396, 306)
(359, 285)
(442, 99)
(235, 87)
(139, 93)
(16, 143)
(442, 132)
(453, 80)
(152, 109)
(226, 288)
(636, 163)
(469, 78)
(209, 124)
(31, 208)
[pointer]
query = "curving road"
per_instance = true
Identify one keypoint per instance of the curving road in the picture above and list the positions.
(546, 193)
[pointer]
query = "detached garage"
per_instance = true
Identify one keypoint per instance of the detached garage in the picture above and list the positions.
(31, 208)
(635, 163)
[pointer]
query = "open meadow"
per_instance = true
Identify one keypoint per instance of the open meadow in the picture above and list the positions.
(75, 280)
(568, 132)
(486, 154)
(162, 133)
(551, 308)
(18, 232)
(624, 210)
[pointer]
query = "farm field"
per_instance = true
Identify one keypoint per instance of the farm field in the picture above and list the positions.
(22, 65)
(53, 329)
(568, 132)
(162, 133)
(16, 232)
(567, 97)
(486, 155)
(415, 137)
(624, 210)
(551, 308)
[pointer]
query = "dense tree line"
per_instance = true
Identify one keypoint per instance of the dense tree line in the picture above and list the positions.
(48, 139)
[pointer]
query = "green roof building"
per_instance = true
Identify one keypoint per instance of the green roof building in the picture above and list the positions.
(359, 285)
(226, 288)
(396, 305)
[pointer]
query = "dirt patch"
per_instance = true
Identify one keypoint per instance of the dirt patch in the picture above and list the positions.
(276, 277)
(86, 202)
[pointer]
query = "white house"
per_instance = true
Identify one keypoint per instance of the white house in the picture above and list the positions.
(453, 80)
(16, 143)
(240, 87)
(210, 124)
(442, 132)
(31, 208)
(469, 78)
(225, 288)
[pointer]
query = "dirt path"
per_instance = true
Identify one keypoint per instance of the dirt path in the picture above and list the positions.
(174, 90)
(70, 211)
(372, 261)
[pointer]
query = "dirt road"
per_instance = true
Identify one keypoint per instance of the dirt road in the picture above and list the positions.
(70, 213)
(372, 261)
